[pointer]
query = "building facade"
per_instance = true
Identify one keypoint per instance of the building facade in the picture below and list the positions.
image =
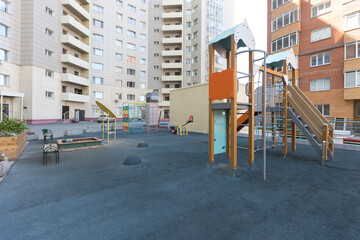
(325, 35)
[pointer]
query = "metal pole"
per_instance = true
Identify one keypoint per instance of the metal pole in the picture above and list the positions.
(264, 117)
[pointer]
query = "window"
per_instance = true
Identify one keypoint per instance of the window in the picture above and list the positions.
(156, 42)
(188, 61)
(98, 8)
(156, 54)
(143, 1)
(352, 21)
(131, 33)
(352, 79)
(188, 49)
(142, 36)
(320, 9)
(324, 109)
(320, 59)
(156, 78)
(98, 52)
(156, 67)
(119, 29)
(4, 30)
(118, 96)
(49, 94)
(97, 80)
(142, 98)
(195, 22)
(98, 23)
(131, 59)
(4, 55)
(195, 59)
(118, 43)
(284, 42)
(195, 47)
(132, 8)
(118, 69)
(97, 66)
(118, 83)
(188, 24)
(49, 11)
(142, 61)
(278, 3)
(188, 11)
(78, 91)
(130, 97)
(4, 6)
(98, 37)
(48, 32)
(352, 50)
(49, 73)
(119, 3)
(142, 12)
(4, 80)
(97, 94)
(131, 46)
(119, 16)
(188, 36)
(195, 73)
(143, 24)
(142, 73)
(188, 73)
(119, 111)
(285, 19)
(358, 110)
(118, 56)
(195, 34)
(320, 85)
(130, 71)
(131, 21)
(320, 34)
(130, 84)
(48, 52)
(156, 30)
(142, 49)
(95, 110)
(156, 18)
(156, 6)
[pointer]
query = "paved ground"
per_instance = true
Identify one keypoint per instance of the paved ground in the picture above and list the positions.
(175, 195)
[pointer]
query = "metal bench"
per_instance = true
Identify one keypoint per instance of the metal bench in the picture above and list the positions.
(50, 148)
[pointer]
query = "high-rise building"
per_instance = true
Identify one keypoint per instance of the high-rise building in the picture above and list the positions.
(179, 34)
(326, 37)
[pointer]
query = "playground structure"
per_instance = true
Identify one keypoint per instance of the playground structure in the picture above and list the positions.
(140, 117)
(110, 129)
(182, 130)
(272, 101)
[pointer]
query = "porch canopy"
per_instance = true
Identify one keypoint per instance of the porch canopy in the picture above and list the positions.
(11, 94)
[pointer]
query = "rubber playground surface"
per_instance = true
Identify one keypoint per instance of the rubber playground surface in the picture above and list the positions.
(174, 194)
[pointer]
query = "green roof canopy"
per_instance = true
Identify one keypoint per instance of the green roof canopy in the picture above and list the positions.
(276, 60)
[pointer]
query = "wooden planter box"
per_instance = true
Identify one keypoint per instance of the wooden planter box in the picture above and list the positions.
(13, 146)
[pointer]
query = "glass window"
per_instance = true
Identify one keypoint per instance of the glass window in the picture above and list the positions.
(98, 52)
(4, 80)
(98, 23)
(97, 94)
(4, 6)
(98, 8)
(119, 29)
(97, 66)
(131, 46)
(97, 37)
(118, 43)
(118, 56)
(97, 80)
(4, 30)
(4, 55)
(350, 50)
(350, 79)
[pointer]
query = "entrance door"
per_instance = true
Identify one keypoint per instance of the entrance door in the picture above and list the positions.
(82, 115)
(65, 112)
(6, 110)
(77, 113)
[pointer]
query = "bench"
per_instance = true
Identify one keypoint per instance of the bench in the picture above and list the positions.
(50, 148)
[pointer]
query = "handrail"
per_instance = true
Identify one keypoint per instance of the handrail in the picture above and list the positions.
(67, 112)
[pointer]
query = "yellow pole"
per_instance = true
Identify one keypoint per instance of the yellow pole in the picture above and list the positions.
(108, 128)
(115, 129)
(103, 125)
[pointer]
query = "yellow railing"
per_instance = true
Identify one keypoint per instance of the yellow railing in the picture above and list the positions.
(182, 131)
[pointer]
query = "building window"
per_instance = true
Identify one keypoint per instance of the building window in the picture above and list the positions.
(285, 19)
(98, 23)
(142, 36)
(156, 18)
(118, 83)
(4, 30)
(98, 8)
(48, 32)
(143, 24)
(131, 21)
(142, 49)
(352, 50)
(358, 110)
(97, 66)
(142, 61)
(352, 79)
(130, 84)
(131, 59)
(320, 9)
(156, 54)
(195, 22)
(188, 73)
(98, 52)
(131, 33)
(118, 43)
(78, 91)
(320, 59)
(49, 73)
(143, 1)
(188, 11)
(118, 96)
(4, 6)
(49, 11)
(352, 21)
(119, 3)
(195, 47)
(195, 34)
(98, 80)
(195, 59)
(97, 94)
(130, 71)
(156, 67)
(156, 42)
(130, 97)
(95, 110)
(49, 94)
(119, 16)
(131, 46)
(4, 55)
(132, 8)
(188, 24)
(156, 30)
(320, 85)
(48, 52)
(118, 56)
(156, 6)
(320, 34)
(142, 73)
(118, 69)
(195, 73)
(142, 12)
(98, 37)
(156, 78)
(324, 109)
(278, 3)
(4, 80)
(119, 29)
(188, 61)
(284, 42)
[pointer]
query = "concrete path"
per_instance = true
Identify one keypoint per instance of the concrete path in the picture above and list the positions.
(175, 195)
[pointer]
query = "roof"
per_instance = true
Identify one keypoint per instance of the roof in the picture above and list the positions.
(276, 60)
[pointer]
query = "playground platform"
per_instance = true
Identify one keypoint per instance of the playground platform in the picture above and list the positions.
(174, 194)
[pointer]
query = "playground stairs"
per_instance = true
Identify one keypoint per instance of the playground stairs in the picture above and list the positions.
(309, 120)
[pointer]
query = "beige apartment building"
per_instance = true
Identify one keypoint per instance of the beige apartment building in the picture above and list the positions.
(179, 33)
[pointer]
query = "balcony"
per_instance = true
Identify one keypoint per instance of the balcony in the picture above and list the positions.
(171, 3)
(71, 78)
(72, 97)
(166, 90)
(172, 27)
(74, 61)
(172, 53)
(75, 26)
(172, 15)
(72, 42)
(164, 104)
(76, 9)
(172, 78)
(171, 65)
(352, 93)
(172, 40)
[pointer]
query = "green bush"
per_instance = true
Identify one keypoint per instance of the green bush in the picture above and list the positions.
(11, 127)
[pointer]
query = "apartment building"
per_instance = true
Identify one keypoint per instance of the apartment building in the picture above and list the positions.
(178, 43)
(59, 57)
(326, 37)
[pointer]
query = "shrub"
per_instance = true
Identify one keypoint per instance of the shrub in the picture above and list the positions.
(11, 127)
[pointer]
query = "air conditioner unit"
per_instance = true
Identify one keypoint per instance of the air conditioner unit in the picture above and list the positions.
(116, 100)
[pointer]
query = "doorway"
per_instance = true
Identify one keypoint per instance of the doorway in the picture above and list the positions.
(65, 112)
